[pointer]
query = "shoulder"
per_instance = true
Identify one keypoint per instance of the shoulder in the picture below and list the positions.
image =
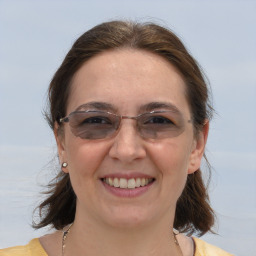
(204, 249)
(33, 248)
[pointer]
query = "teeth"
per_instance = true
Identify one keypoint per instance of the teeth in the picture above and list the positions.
(138, 182)
(116, 183)
(123, 183)
(130, 183)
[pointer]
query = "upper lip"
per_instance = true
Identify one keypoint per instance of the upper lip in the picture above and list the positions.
(127, 175)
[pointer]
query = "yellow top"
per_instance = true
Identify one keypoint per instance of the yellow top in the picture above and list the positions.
(34, 248)
(204, 249)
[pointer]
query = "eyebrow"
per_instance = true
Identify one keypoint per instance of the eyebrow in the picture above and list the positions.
(97, 106)
(159, 105)
(144, 108)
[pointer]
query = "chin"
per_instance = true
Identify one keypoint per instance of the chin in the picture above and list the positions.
(128, 217)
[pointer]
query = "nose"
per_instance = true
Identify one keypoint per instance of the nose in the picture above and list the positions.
(127, 145)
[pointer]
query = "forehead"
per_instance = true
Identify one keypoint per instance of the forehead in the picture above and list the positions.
(127, 79)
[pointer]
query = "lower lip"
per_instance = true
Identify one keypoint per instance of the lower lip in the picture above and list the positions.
(126, 192)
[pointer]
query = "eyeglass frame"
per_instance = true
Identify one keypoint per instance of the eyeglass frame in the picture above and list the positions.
(66, 119)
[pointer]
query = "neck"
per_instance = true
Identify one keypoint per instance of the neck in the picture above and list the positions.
(92, 239)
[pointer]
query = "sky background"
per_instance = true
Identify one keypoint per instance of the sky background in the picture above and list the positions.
(34, 38)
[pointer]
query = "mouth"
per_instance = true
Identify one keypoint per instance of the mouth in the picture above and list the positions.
(123, 183)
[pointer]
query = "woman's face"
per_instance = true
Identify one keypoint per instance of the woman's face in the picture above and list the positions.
(127, 82)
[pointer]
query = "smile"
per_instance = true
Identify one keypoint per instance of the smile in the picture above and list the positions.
(132, 183)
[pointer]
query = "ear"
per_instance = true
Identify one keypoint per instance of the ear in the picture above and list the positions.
(198, 149)
(60, 141)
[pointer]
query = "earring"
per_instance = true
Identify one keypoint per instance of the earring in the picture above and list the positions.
(64, 165)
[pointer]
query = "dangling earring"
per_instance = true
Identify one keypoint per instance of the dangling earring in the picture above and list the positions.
(64, 165)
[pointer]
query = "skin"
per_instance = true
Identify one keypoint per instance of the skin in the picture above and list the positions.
(106, 224)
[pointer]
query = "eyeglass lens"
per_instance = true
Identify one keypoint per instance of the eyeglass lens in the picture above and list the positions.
(93, 125)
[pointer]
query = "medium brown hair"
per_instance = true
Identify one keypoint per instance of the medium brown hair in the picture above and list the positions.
(193, 212)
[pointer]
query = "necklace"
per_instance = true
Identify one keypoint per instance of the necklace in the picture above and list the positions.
(175, 233)
(64, 237)
(65, 234)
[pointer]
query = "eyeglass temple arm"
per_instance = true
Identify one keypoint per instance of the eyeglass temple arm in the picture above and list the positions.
(64, 119)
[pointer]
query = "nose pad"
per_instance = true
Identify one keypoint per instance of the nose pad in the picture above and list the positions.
(127, 145)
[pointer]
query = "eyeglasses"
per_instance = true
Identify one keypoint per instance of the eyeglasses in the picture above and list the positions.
(93, 125)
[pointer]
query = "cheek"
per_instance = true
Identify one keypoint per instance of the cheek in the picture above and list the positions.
(83, 162)
(84, 158)
(171, 158)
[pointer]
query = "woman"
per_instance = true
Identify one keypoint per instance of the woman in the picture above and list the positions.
(130, 112)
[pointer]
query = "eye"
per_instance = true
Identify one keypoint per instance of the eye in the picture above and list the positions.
(97, 120)
(158, 120)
